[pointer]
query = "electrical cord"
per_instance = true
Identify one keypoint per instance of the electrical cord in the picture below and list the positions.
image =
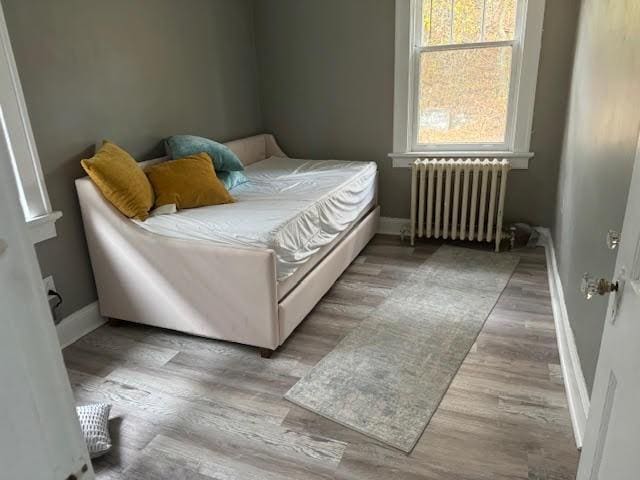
(58, 296)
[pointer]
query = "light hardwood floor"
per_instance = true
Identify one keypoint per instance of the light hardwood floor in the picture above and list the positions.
(192, 408)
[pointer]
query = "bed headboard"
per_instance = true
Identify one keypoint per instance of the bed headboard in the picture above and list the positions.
(256, 148)
(249, 150)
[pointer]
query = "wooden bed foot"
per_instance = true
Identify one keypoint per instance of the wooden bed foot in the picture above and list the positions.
(266, 352)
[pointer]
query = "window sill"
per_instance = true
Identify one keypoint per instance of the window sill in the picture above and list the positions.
(44, 227)
(519, 160)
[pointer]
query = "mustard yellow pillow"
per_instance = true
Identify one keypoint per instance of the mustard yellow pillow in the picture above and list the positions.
(188, 182)
(120, 180)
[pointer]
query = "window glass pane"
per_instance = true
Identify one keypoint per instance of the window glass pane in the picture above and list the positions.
(426, 21)
(467, 21)
(436, 18)
(464, 96)
(499, 20)
(464, 24)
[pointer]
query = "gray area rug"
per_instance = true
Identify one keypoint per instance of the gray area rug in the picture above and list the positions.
(386, 378)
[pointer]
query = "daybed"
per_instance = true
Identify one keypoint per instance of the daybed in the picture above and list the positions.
(248, 285)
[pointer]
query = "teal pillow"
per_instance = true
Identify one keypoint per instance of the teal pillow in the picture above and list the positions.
(232, 179)
(180, 146)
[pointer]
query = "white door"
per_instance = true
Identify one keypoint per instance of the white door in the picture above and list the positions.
(40, 435)
(611, 449)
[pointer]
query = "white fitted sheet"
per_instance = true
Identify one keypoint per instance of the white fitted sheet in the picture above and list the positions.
(292, 206)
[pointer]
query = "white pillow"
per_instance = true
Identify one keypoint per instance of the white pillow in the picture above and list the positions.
(94, 421)
(167, 209)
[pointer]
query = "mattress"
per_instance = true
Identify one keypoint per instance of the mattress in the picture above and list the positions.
(291, 206)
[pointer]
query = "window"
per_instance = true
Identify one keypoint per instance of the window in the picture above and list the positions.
(17, 138)
(465, 75)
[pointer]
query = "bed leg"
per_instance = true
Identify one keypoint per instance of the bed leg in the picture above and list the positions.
(114, 322)
(266, 352)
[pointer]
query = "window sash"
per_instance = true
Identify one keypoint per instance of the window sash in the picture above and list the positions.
(420, 30)
(516, 63)
(465, 46)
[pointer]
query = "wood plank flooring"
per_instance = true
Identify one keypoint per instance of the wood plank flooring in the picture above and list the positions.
(198, 409)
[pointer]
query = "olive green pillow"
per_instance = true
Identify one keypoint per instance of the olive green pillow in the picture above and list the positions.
(121, 180)
(188, 182)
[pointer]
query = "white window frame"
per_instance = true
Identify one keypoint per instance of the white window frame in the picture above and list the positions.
(18, 138)
(524, 74)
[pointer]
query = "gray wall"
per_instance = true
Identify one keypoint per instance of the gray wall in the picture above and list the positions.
(600, 143)
(133, 72)
(136, 72)
(326, 81)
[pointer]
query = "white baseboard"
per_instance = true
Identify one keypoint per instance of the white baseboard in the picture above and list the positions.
(78, 324)
(575, 385)
(393, 226)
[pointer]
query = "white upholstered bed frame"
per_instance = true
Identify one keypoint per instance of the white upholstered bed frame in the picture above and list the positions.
(205, 289)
